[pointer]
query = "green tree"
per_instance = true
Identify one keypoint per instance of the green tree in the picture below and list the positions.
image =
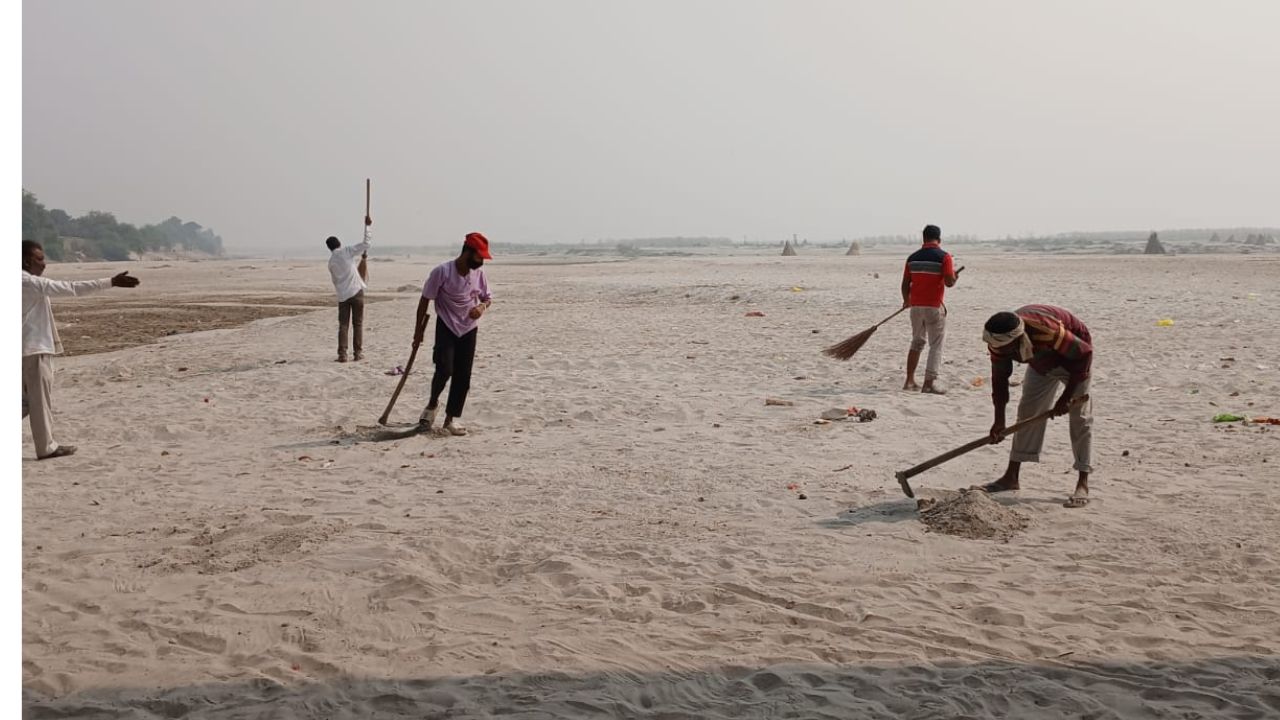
(107, 237)
(38, 225)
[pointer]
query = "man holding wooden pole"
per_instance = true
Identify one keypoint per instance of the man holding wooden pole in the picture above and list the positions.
(1057, 349)
(349, 284)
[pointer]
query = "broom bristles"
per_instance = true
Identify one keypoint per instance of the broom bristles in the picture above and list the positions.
(847, 348)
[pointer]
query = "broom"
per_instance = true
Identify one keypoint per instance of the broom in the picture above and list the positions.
(845, 349)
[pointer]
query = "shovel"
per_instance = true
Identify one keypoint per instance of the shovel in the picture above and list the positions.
(904, 475)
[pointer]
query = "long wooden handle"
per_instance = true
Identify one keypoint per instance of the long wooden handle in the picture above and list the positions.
(386, 414)
(363, 268)
(970, 447)
(896, 314)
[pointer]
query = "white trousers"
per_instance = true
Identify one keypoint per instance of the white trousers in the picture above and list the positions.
(37, 400)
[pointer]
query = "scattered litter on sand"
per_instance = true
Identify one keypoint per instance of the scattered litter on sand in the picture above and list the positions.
(971, 513)
(778, 402)
(862, 415)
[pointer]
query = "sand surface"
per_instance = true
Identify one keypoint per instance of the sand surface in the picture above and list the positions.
(622, 534)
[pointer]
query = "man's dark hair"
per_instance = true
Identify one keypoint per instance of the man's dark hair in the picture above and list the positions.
(332, 243)
(29, 247)
(932, 232)
(1001, 322)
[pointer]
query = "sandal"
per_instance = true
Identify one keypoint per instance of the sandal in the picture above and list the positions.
(62, 451)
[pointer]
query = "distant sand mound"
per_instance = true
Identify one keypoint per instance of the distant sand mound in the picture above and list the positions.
(855, 248)
(787, 249)
(971, 513)
(1153, 246)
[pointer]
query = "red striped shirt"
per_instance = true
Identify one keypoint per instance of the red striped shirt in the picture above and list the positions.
(1058, 340)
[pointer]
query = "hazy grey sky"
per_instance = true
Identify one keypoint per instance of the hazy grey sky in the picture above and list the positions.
(562, 120)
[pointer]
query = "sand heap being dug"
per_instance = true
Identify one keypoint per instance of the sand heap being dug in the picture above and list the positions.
(971, 513)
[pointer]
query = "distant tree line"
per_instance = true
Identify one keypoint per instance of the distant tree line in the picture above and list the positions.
(98, 235)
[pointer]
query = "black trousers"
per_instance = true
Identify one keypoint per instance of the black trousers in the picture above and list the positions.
(453, 357)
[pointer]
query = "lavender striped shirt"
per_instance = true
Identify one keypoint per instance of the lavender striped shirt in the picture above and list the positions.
(456, 294)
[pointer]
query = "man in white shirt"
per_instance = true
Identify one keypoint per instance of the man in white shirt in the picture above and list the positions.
(40, 341)
(346, 267)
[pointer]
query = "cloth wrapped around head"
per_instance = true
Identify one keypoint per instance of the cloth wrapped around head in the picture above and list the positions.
(999, 336)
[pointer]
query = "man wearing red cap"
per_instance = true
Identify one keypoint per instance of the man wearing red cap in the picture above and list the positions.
(462, 296)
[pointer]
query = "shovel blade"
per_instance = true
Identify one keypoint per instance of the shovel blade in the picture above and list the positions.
(906, 486)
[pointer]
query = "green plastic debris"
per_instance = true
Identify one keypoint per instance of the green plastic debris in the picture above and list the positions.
(1227, 417)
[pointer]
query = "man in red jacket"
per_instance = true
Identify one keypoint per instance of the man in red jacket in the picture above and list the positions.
(925, 279)
(1058, 351)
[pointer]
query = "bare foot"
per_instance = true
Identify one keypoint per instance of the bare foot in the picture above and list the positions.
(452, 429)
(931, 389)
(1001, 485)
(910, 385)
(428, 417)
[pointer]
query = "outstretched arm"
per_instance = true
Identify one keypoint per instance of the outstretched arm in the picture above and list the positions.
(77, 288)
(362, 248)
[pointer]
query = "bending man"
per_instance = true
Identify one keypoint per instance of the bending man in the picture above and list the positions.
(1057, 349)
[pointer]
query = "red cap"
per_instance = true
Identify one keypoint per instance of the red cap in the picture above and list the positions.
(479, 243)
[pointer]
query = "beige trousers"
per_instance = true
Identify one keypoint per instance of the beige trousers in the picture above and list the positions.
(1039, 393)
(37, 400)
(929, 324)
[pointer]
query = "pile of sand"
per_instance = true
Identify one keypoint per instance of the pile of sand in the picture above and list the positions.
(971, 513)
